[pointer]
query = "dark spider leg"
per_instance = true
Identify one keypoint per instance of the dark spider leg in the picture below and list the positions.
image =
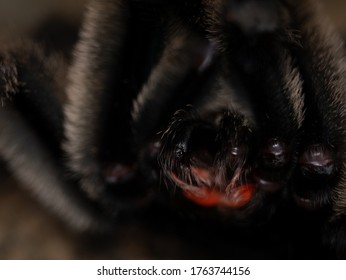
(322, 64)
(260, 67)
(321, 177)
(97, 55)
(185, 59)
(141, 50)
(274, 90)
(120, 41)
(41, 175)
(41, 97)
(180, 75)
(40, 79)
(32, 112)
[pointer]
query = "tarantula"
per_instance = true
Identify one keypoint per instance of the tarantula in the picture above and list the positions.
(239, 106)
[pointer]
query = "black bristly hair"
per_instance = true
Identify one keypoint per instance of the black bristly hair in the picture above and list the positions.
(32, 131)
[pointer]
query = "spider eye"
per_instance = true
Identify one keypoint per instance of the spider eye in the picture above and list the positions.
(180, 150)
(238, 151)
(237, 155)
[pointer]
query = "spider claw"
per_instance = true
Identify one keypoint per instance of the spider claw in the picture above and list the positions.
(317, 161)
(267, 185)
(118, 173)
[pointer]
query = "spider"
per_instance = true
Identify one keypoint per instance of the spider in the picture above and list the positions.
(238, 107)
